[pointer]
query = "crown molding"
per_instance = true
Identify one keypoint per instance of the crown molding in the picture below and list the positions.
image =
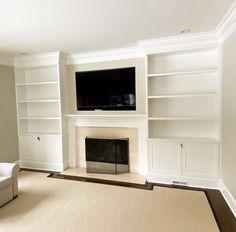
(228, 24)
(194, 41)
(106, 55)
(212, 39)
(51, 58)
(181, 42)
(6, 60)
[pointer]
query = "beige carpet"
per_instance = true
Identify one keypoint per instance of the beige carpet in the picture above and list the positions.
(48, 205)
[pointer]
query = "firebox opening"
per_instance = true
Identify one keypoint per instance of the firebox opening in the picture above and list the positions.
(107, 155)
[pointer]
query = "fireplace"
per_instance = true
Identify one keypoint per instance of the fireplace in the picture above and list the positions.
(107, 155)
(106, 126)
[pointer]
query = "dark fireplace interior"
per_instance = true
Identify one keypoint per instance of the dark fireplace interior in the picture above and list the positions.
(105, 155)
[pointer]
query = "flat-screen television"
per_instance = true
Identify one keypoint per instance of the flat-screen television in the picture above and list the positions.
(110, 89)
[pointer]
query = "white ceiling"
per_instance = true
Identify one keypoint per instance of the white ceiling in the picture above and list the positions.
(75, 26)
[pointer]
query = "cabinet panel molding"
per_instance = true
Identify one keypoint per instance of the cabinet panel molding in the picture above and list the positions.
(165, 158)
(200, 160)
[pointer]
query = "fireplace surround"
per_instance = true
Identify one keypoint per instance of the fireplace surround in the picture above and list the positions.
(139, 165)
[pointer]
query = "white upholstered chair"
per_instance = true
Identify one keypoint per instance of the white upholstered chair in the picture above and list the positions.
(8, 182)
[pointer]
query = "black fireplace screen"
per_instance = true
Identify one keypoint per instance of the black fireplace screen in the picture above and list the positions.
(114, 151)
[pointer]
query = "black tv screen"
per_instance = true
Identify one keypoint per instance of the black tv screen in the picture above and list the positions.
(110, 89)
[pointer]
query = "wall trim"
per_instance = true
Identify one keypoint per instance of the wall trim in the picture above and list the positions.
(57, 167)
(228, 24)
(193, 41)
(6, 60)
(106, 55)
(192, 181)
(51, 58)
(231, 201)
(127, 121)
(181, 42)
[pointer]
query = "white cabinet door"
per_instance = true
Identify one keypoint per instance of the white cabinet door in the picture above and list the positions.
(42, 151)
(200, 160)
(165, 157)
(50, 149)
(28, 148)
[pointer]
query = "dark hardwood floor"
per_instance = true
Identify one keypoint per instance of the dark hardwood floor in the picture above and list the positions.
(223, 215)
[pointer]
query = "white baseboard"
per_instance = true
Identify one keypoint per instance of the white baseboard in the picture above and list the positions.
(228, 197)
(54, 167)
(191, 181)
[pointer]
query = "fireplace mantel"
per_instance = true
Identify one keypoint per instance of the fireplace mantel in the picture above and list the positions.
(111, 121)
(127, 121)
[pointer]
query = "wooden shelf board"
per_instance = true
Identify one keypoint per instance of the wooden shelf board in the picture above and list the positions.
(39, 133)
(178, 73)
(183, 118)
(182, 95)
(38, 100)
(106, 115)
(39, 118)
(38, 83)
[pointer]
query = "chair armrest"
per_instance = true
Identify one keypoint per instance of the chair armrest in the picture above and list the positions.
(9, 169)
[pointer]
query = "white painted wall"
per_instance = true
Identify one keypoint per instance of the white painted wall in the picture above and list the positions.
(228, 163)
(8, 124)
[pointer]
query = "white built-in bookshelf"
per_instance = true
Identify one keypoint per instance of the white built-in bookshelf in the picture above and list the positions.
(183, 113)
(39, 113)
(183, 94)
(38, 102)
(182, 120)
